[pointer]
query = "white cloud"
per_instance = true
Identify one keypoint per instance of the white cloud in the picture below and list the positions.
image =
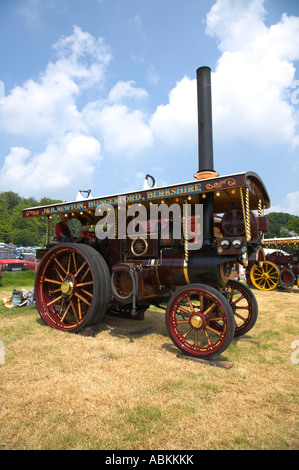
(123, 131)
(252, 83)
(47, 172)
(47, 106)
(124, 90)
(46, 109)
(289, 205)
(254, 73)
(152, 75)
(175, 122)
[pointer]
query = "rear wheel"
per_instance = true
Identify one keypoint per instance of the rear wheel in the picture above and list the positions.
(244, 306)
(72, 287)
(200, 321)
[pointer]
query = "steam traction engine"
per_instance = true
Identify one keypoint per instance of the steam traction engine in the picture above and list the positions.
(77, 283)
(279, 268)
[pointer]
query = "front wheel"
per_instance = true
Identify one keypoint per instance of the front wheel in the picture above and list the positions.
(72, 287)
(191, 315)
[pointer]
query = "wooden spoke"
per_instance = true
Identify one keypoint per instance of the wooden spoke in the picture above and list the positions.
(239, 299)
(209, 309)
(60, 265)
(79, 308)
(213, 330)
(53, 301)
(85, 274)
(188, 332)
(82, 298)
(55, 291)
(183, 309)
(52, 280)
(85, 284)
(74, 310)
(65, 313)
(86, 292)
(69, 263)
(59, 275)
(74, 261)
(81, 267)
(191, 305)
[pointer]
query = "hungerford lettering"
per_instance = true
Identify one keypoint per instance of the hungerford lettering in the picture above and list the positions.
(124, 199)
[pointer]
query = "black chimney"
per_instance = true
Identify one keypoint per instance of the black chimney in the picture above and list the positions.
(205, 125)
(205, 148)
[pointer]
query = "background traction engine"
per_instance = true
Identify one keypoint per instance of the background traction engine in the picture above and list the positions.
(278, 268)
(77, 283)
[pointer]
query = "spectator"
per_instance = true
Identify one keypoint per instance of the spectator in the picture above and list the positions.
(62, 232)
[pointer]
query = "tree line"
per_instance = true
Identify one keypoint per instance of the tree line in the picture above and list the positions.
(19, 231)
(13, 227)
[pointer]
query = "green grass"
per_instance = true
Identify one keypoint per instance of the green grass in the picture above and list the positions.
(120, 390)
(17, 280)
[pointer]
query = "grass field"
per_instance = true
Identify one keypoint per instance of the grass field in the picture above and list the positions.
(126, 388)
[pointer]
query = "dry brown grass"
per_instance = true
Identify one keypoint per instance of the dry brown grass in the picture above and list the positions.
(125, 387)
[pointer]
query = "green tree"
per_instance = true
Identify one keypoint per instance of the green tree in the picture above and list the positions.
(4, 220)
(278, 224)
(293, 225)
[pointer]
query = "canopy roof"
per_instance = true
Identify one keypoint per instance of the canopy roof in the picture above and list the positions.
(226, 189)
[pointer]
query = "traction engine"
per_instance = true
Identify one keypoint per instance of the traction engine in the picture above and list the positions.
(171, 246)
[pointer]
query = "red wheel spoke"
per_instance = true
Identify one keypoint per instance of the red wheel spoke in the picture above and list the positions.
(238, 299)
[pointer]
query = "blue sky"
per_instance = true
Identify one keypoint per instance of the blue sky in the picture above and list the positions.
(97, 93)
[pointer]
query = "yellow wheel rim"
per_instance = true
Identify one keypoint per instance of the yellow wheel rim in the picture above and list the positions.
(265, 275)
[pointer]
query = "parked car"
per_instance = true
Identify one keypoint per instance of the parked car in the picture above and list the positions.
(31, 261)
(0, 272)
(9, 262)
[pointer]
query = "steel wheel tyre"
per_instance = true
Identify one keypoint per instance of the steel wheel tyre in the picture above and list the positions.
(265, 276)
(286, 279)
(190, 317)
(244, 306)
(72, 287)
